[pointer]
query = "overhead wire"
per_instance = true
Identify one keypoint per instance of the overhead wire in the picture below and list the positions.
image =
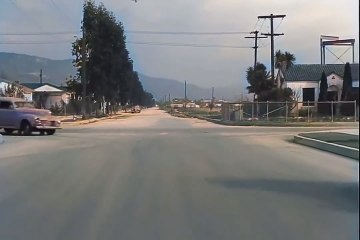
(166, 44)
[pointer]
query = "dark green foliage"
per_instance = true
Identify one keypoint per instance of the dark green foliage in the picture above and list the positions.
(284, 59)
(110, 77)
(276, 94)
(259, 79)
(323, 108)
(323, 88)
(347, 83)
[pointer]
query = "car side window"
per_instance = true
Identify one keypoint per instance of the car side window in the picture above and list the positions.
(6, 105)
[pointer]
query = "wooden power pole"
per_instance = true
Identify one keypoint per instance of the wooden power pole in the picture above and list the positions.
(272, 35)
(256, 37)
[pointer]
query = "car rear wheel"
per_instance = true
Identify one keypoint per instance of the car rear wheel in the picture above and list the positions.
(50, 132)
(9, 131)
(42, 132)
(25, 129)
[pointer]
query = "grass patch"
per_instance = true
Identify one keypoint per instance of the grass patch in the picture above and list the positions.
(344, 139)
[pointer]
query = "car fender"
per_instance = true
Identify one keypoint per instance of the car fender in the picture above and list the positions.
(28, 117)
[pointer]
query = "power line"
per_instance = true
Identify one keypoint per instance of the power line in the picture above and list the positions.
(39, 33)
(185, 33)
(187, 45)
(32, 42)
(129, 32)
(256, 37)
(14, 3)
(166, 44)
(279, 24)
(254, 28)
(60, 11)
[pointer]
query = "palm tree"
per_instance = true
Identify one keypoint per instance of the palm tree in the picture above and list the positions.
(284, 60)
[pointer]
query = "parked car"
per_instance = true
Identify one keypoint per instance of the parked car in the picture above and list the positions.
(18, 114)
(136, 109)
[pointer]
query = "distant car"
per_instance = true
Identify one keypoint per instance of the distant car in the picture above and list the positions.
(136, 109)
(18, 114)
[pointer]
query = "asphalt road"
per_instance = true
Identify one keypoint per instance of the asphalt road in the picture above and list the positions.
(155, 177)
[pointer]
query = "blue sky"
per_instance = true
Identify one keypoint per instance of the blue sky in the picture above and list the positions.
(306, 20)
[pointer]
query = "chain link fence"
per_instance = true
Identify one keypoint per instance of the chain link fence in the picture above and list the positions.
(343, 111)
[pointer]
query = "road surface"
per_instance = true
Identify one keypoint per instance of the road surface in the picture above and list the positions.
(155, 177)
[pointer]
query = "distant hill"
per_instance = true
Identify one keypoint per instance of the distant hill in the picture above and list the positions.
(161, 87)
(26, 68)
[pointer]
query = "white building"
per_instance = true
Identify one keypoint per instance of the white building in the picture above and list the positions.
(51, 95)
(27, 92)
(304, 80)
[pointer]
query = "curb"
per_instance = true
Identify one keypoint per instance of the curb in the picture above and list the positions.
(329, 147)
(85, 122)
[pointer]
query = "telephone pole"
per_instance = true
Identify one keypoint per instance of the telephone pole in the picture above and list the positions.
(185, 95)
(272, 35)
(256, 37)
(41, 76)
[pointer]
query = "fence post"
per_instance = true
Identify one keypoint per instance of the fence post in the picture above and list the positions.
(267, 110)
(229, 115)
(332, 111)
(308, 110)
(252, 110)
(355, 111)
(286, 111)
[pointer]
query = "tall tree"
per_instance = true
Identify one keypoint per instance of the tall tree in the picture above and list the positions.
(284, 60)
(347, 83)
(110, 77)
(259, 79)
(323, 88)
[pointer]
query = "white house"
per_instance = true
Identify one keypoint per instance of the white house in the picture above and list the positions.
(50, 95)
(304, 80)
(27, 92)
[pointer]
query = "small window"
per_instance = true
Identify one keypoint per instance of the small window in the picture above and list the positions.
(5, 105)
(308, 95)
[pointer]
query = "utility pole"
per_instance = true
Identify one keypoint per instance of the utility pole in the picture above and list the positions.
(185, 95)
(256, 45)
(272, 35)
(41, 76)
(83, 70)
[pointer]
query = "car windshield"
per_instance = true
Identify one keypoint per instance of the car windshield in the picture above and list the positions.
(24, 105)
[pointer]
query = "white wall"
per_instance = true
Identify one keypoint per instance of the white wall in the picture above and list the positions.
(299, 85)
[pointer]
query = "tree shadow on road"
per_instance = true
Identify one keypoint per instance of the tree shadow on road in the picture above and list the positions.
(342, 196)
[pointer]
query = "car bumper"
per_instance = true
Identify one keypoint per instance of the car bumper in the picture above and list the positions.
(47, 127)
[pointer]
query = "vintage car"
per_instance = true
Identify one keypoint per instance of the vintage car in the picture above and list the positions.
(18, 114)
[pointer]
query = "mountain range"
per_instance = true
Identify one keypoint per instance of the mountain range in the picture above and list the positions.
(26, 69)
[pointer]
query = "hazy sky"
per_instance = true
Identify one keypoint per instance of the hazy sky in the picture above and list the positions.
(305, 21)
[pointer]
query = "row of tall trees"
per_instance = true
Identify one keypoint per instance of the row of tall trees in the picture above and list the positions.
(347, 94)
(110, 77)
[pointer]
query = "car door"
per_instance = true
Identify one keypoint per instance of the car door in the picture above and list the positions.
(7, 114)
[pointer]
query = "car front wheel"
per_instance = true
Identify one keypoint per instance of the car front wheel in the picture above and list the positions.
(50, 132)
(9, 131)
(25, 129)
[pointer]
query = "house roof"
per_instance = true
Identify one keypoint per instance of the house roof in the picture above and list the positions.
(312, 72)
(35, 86)
(25, 88)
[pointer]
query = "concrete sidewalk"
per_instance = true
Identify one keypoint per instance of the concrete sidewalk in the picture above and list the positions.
(344, 142)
